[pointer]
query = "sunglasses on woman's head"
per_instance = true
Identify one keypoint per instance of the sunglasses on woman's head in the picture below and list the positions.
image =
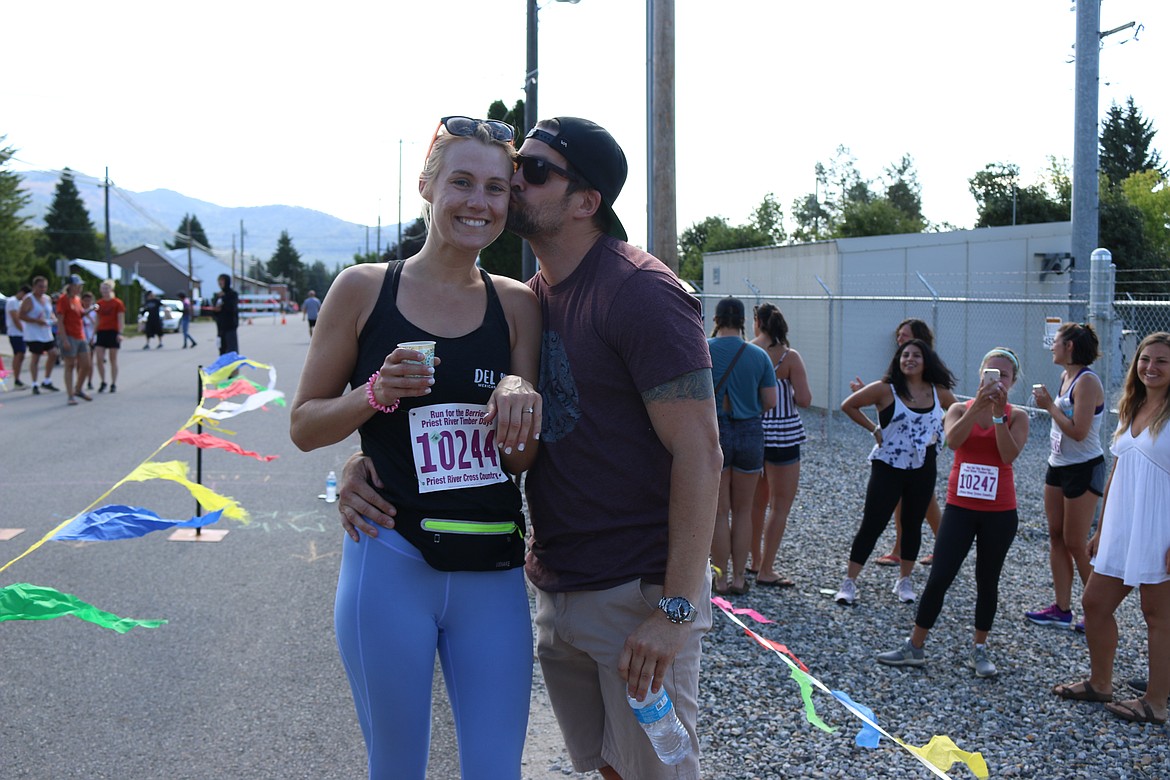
(537, 169)
(465, 126)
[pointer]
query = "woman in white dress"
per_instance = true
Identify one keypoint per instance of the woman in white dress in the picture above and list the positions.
(1132, 544)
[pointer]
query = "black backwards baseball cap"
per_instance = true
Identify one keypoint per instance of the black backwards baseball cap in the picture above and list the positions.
(595, 155)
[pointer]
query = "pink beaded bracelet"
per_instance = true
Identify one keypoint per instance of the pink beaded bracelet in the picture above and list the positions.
(374, 401)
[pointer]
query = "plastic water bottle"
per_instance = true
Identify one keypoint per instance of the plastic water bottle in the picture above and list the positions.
(331, 487)
(660, 722)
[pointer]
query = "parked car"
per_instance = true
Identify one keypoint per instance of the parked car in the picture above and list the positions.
(172, 314)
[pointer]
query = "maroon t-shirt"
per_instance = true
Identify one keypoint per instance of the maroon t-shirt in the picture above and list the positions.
(599, 491)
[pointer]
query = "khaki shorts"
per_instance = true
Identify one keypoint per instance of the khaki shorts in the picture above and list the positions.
(580, 636)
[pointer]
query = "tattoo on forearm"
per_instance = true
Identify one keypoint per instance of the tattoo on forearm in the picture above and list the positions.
(695, 386)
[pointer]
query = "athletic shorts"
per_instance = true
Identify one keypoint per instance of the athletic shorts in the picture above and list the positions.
(782, 456)
(40, 347)
(17, 343)
(743, 444)
(579, 640)
(108, 339)
(71, 347)
(1074, 480)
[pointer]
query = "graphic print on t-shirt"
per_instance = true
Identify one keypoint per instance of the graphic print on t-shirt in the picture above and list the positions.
(558, 391)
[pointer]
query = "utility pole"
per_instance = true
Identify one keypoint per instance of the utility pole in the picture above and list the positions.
(243, 257)
(379, 241)
(399, 198)
(527, 256)
(662, 235)
(1085, 207)
(106, 187)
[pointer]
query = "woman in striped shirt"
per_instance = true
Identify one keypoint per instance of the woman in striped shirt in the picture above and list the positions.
(783, 435)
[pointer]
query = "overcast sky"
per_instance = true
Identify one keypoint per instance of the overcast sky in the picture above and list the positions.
(256, 103)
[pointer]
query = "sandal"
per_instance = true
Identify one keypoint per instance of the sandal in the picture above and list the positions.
(1081, 691)
(1127, 710)
(734, 591)
(888, 560)
(779, 582)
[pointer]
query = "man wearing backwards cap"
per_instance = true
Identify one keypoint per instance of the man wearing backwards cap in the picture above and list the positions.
(623, 492)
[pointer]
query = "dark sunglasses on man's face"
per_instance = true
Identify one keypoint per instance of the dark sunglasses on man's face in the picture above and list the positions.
(537, 169)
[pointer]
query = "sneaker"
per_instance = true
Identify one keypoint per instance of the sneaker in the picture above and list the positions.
(1138, 684)
(146, 345)
(158, 346)
(1051, 615)
(848, 593)
(1079, 627)
(18, 383)
(113, 388)
(904, 590)
(906, 655)
(102, 388)
(36, 389)
(50, 387)
(979, 661)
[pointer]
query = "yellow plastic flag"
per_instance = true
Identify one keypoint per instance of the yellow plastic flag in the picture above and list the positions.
(176, 471)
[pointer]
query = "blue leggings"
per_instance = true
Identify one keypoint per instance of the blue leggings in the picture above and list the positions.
(392, 612)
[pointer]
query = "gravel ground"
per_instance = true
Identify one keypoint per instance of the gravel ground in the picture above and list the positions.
(753, 726)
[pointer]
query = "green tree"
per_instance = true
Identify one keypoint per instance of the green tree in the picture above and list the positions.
(846, 204)
(1149, 192)
(903, 190)
(1001, 200)
(1125, 143)
(1121, 229)
(715, 234)
(16, 238)
(286, 266)
(413, 238)
(190, 227)
(68, 231)
(317, 278)
(878, 217)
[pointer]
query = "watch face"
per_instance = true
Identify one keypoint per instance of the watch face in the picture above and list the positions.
(677, 608)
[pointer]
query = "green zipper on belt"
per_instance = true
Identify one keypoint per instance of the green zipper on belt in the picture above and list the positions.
(468, 527)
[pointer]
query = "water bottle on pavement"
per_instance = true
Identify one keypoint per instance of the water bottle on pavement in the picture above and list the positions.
(660, 722)
(331, 487)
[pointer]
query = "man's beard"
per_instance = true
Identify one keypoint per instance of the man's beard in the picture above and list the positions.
(527, 222)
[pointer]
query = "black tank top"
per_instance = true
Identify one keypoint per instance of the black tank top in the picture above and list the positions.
(471, 366)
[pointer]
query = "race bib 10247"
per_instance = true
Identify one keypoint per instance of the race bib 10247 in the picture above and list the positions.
(978, 481)
(453, 448)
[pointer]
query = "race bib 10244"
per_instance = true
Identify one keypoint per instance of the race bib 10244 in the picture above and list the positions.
(453, 448)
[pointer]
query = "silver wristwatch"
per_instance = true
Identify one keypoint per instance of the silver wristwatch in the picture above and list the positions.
(677, 609)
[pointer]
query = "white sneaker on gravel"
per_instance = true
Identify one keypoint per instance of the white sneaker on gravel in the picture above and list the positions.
(982, 665)
(904, 590)
(848, 593)
(906, 655)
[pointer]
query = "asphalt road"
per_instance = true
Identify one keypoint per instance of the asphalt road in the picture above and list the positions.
(244, 681)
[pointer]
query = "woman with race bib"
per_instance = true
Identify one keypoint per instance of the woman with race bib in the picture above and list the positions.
(449, 576)
(986, 435)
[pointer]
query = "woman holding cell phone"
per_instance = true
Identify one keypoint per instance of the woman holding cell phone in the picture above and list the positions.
(448, 577)
(986, 435)
(1076, 466)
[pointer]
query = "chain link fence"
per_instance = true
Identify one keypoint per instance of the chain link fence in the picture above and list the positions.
(847, 334)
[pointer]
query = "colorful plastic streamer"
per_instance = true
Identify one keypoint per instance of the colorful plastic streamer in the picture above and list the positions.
(938, 755)
(116, 521)
(209, 441)
(176, 471)
(23, 601)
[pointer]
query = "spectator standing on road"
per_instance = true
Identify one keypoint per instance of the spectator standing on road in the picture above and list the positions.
(986, 436)
(89, 322)
(1131, 548)
(310, 307)
(111, 314)
(449, 575)
(16, 331)
(783, 435)
(1076, 467)
(153, 309)
(226, 307)
(36, 314)
(71, 337)
(185, 322)
(745, 388)
(621, 574)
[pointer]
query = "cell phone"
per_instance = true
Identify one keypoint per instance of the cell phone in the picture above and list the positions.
(990, 376)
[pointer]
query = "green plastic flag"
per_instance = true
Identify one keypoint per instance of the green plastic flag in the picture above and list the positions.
(23, 601)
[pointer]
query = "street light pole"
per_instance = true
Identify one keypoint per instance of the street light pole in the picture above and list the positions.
(527, 256)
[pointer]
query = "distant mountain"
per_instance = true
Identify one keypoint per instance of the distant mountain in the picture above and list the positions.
(138, 218)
